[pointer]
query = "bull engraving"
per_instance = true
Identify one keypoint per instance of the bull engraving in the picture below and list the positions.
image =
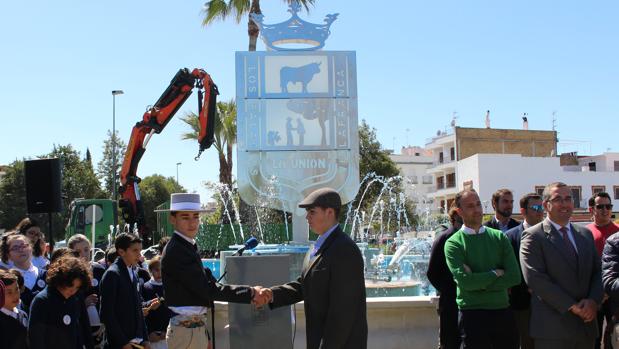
(303, 74)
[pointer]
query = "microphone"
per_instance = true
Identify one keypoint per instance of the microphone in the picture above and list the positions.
(252, 242)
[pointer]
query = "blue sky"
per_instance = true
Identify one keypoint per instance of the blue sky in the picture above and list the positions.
(416, 65)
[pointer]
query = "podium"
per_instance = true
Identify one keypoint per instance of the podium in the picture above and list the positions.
(259, 328)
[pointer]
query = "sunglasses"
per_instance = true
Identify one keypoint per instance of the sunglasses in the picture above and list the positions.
(537, 208)
(606, 206)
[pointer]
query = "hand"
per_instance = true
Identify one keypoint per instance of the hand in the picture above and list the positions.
(262, 296)
(467, 269)
(155, 303)
(91, 300)
(589, 309)
(499, 272)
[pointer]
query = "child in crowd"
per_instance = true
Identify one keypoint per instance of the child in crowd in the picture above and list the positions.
(121, 302)
(157, 314)
(17, 250)
(13, 322)
(32, 230)
(58, 318)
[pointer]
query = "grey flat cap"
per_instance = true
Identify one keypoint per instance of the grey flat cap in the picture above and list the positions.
(323, 197)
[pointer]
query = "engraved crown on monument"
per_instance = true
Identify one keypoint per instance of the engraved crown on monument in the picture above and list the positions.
(294, 31)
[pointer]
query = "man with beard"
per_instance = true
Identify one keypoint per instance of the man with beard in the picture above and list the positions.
(484, 267)
(503, 204)
(532, 211)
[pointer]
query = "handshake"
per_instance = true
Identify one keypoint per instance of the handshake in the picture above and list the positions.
(261, 296)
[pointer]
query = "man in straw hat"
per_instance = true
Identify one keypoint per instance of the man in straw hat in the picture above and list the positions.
(331, 284)
(187, 287)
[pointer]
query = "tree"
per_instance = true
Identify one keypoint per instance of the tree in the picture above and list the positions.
(154, 190)
(225, 138)
(222, 9)
(13, 194)
(78, 181)
(106, 168)
(376, 161)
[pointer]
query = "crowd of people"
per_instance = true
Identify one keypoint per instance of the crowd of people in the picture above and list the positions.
(543, 283)
(124, 301)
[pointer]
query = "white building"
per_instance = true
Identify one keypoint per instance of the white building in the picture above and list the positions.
(414, 168)
(488, 172)
(443, 169)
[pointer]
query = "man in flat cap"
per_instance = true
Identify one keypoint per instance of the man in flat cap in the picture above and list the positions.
(188, 288)
(331, 283)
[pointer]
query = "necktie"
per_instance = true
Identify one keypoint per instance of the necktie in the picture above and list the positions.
(568, 243)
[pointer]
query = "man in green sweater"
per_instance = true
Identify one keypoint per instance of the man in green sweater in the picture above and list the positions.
(484, 267)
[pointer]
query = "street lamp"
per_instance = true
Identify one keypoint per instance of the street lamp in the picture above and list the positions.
(114, 93)
(178, 163)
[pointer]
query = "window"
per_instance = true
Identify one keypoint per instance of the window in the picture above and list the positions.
(592, 166)
(452, 153)
(616, 166)
(440, 183)
(413, 179)
(539, 190)
(440, 157)
(597, 189)
(427, 179)
(576, 195)
(616, 190)
(451, 180)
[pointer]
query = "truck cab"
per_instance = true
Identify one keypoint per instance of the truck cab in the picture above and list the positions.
(81, 220)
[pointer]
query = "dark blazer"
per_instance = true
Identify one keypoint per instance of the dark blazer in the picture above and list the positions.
(494, 224)
(121, 306)
(56, 322)
(438, 272)
(13, 334)
(185, 283)
(333, 288)
(519, 296)
(558, 282)
(610, 272)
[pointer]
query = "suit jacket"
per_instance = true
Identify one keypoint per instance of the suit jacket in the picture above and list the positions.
(332, 285)
(185, 282)
(494, 224)
(610, 272)
(438, 272)
(121, 306)
(558, 282)
(519, 296)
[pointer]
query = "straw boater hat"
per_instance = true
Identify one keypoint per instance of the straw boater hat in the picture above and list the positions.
(184, 202)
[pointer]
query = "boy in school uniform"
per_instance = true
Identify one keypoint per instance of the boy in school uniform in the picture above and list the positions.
(157, 314)
(13, 321)
(121, 302)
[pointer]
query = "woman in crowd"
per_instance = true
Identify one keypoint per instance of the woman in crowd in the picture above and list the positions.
(31, 229)
(57, 317)
(16, 249)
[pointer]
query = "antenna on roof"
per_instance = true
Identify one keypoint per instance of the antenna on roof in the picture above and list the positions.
(525, 122)
(487, 118)
(453, 119)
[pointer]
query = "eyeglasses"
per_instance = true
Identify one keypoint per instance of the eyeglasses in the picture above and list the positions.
(537, 208)
(606, 206)
(19, 248)
(559, 199)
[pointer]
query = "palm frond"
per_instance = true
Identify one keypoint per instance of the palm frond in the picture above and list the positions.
(214, 10)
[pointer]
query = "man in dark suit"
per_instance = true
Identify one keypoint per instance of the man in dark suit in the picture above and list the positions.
(188, 288)
(562, 268)
(332, 283)
(532, 210)
(121, 303)
(441, 278)
(503, 205)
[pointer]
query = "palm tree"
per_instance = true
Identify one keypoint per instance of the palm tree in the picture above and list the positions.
(225, 138)
(221, 9)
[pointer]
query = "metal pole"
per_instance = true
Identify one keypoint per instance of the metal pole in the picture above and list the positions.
(114, 144)
(178, 163)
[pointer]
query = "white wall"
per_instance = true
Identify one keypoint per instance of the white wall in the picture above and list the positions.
(490, 172)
